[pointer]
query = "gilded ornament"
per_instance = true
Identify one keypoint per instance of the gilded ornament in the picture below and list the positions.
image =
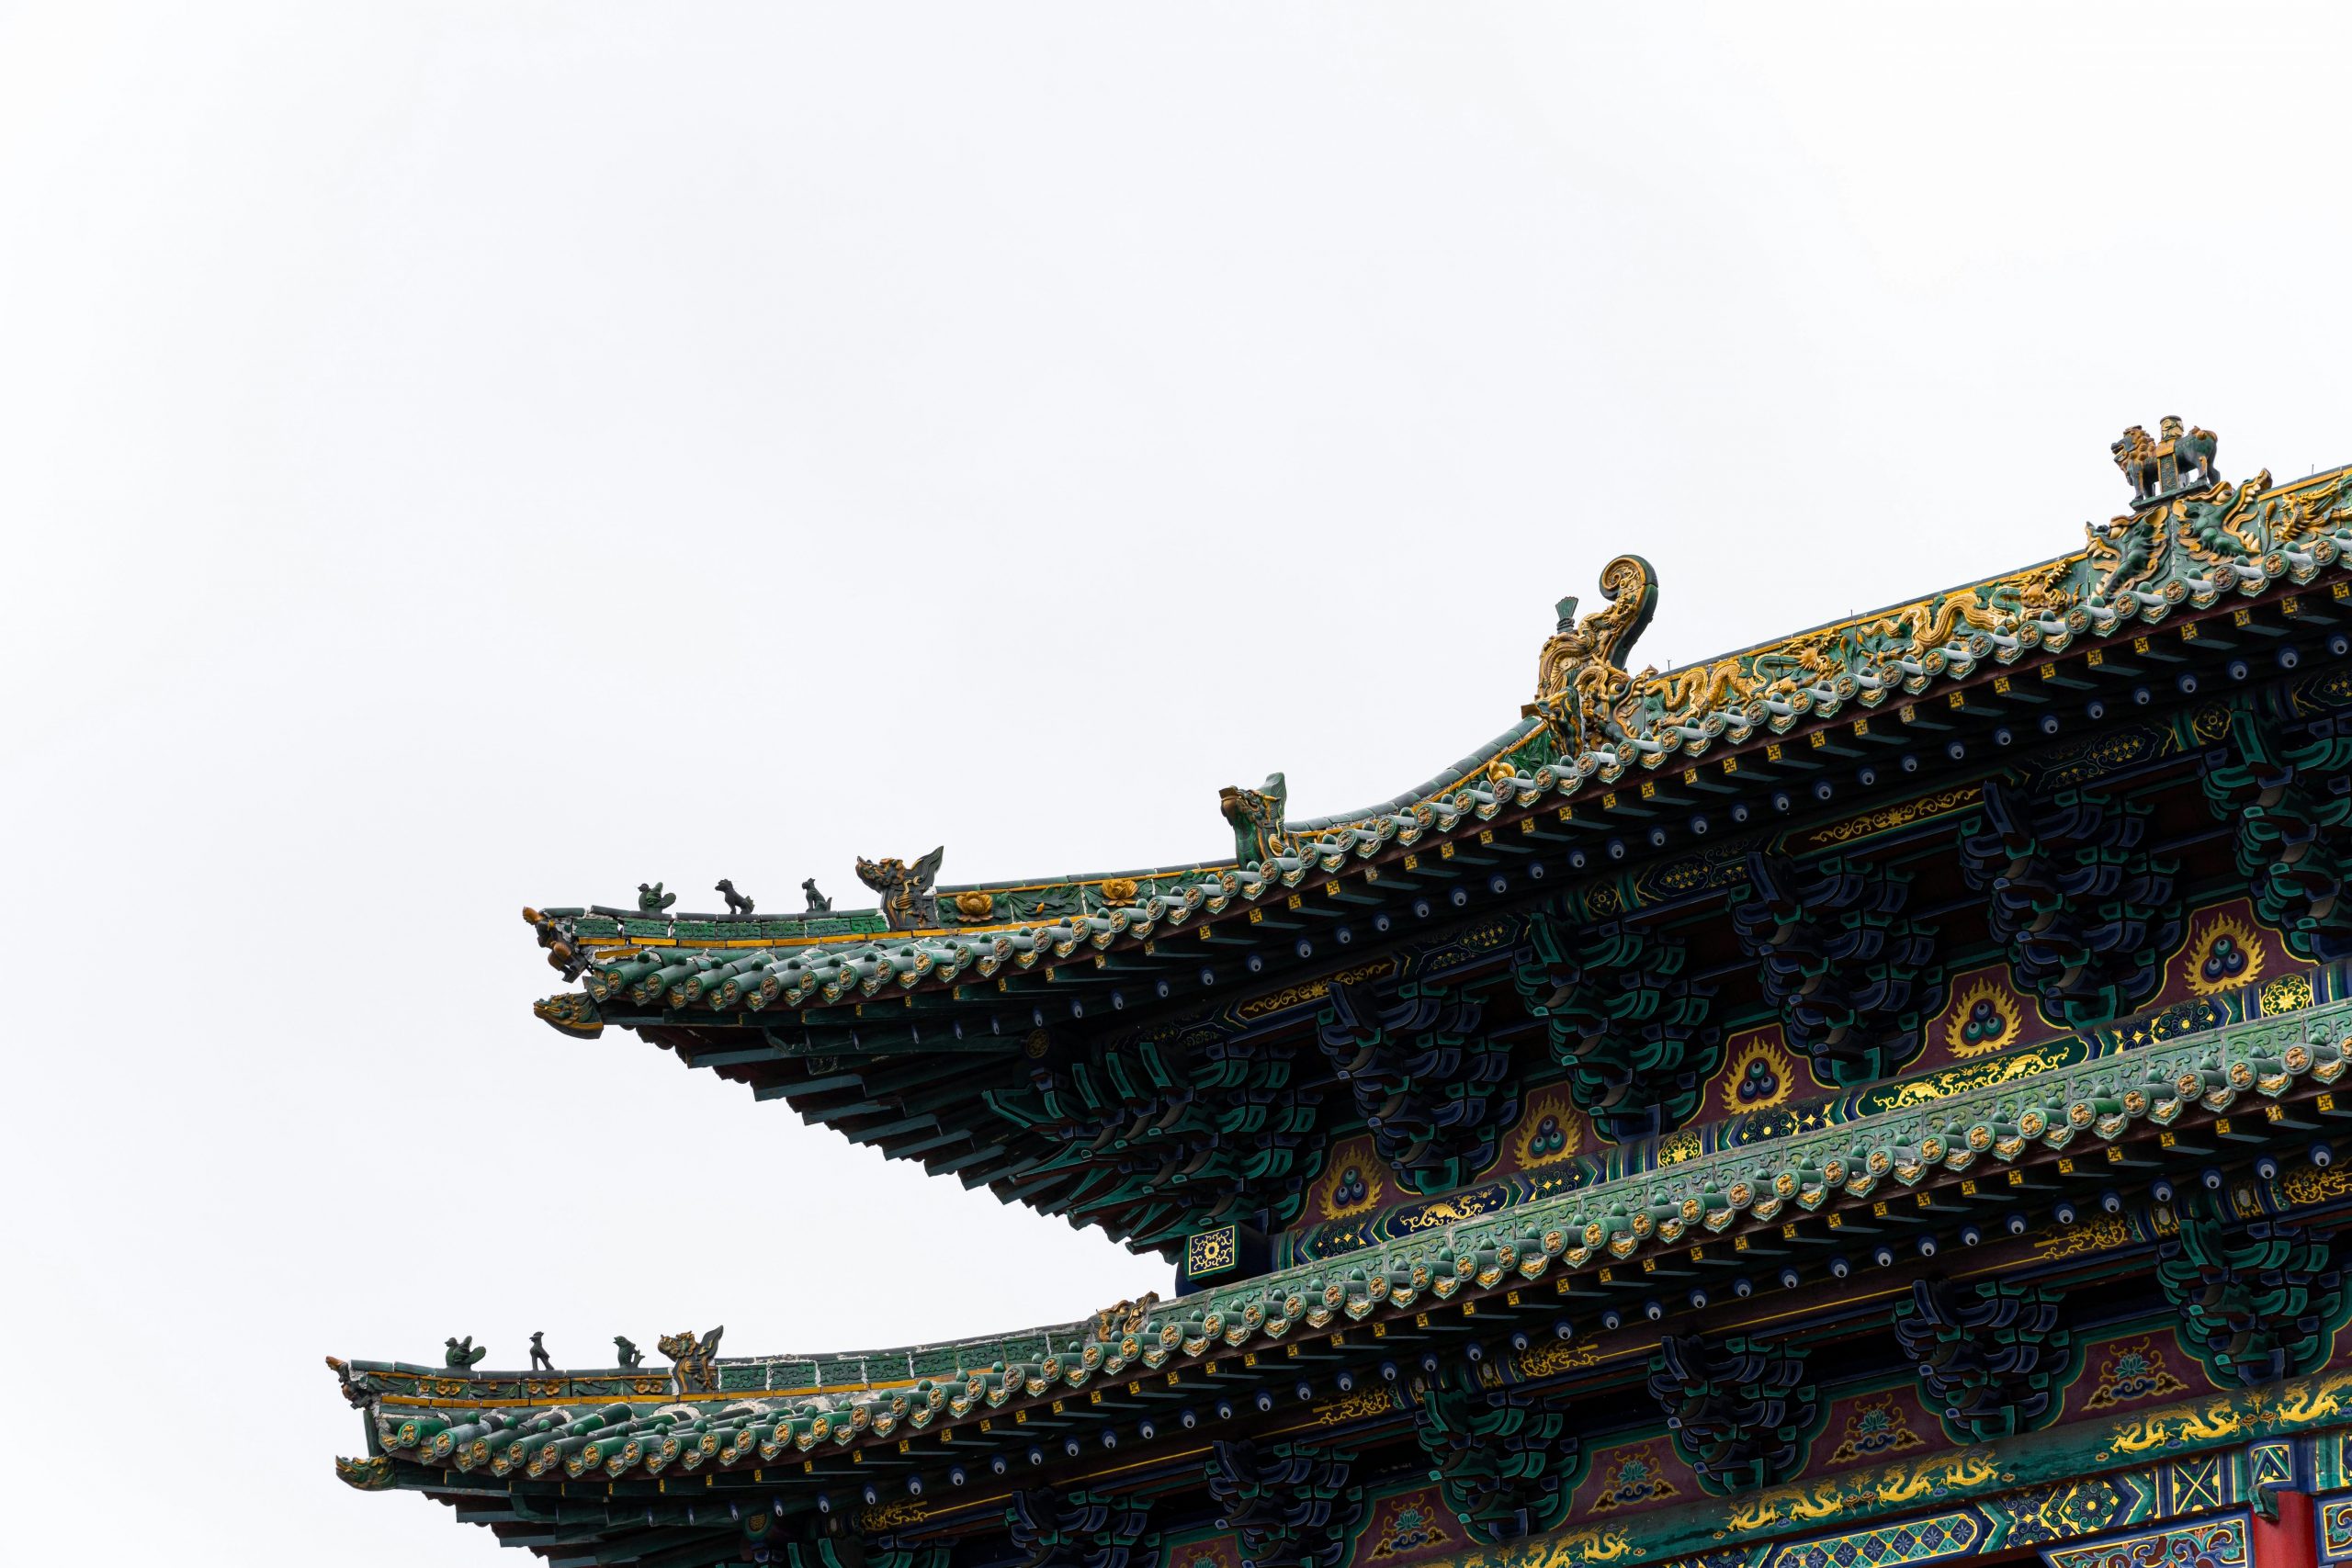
(2223, 953)
(1550, 1131)
(1450, 1211)
(1928, 806)
(1355, 1184)
(1933, 1086)
(695, 1359)
(2288, 993)
(1632, 1476)
(2178, 459)
(1759, 1076)
(1256, 818)
(2103, 1233)
(2131, 1371)
(1580, 677)
(1307, 991)
(1120, 890)
(1985, 1018)
(975, 906)
(1597, 1546)
(891, 1515)
(1553, 1356)
(1211, 1252)
(1874, 1427)
(573, 1012)
(908, 902)
(371, 1474)
(1357, 1407)
(2307, 1184)
(1407, 1525)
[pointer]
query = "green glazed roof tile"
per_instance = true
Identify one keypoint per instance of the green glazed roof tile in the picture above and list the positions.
(436, 1417)
(2243, 541)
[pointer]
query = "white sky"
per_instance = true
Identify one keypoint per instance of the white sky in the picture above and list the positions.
(459, 456)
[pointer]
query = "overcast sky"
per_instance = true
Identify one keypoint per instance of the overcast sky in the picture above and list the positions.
(454, 457)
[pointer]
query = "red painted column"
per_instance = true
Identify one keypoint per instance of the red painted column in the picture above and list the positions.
(2289, 1543)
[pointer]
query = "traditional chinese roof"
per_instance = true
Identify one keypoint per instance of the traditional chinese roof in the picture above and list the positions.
(1318, 1348)
(2104, 794)
(1071, 1043)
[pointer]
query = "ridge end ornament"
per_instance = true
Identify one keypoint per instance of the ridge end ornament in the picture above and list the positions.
(2190, 535)
(1256, 818)
(908, 901)
(1580, 676)
(694, 1357)
(2161, 467)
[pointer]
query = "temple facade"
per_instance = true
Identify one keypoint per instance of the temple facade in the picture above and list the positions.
(1870, 1098)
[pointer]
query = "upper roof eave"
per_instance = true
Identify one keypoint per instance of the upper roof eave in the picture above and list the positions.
(1594, 723)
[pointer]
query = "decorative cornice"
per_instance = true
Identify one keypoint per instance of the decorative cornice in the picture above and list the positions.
(1591, 1232)
(1591, 727)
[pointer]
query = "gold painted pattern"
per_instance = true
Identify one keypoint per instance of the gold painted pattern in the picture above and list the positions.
(2208, 933)
(1311, 990)
(2103, 1233)
(1959, 1080)
(1555, 1356)
(1903, 816)
(890, 1516)
(2288, 993)
(2004, 1006)
(1356, 1406)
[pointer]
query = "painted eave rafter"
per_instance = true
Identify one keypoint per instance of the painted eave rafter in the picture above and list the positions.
(2264, 1069)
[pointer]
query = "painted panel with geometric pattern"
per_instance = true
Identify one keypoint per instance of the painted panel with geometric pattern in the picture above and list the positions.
(2208, 1543)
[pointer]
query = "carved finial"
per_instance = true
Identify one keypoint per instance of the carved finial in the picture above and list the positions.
(1126, 1318)
(696, 1368)
(540, 1361)
(1256, 818)
(371, 1474)
(817, 903)
(737, 904)
(1580, 675)
(630, 1356)
(564, 952)
(353, 1394)
(651, 900)
(907, 900)
(2179, 457)
(462, 1353)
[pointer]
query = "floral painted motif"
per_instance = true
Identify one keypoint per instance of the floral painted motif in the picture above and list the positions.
(1875, 1428)
(1216, 1552)
(1408, 1525)
(1632, 1478)
(2288, 993)
(2130, 1372)
(2181, 1017)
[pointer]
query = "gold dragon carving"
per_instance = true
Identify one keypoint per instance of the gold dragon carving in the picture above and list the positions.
(2189, 536)
(1580, 676)
(2188, 533)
